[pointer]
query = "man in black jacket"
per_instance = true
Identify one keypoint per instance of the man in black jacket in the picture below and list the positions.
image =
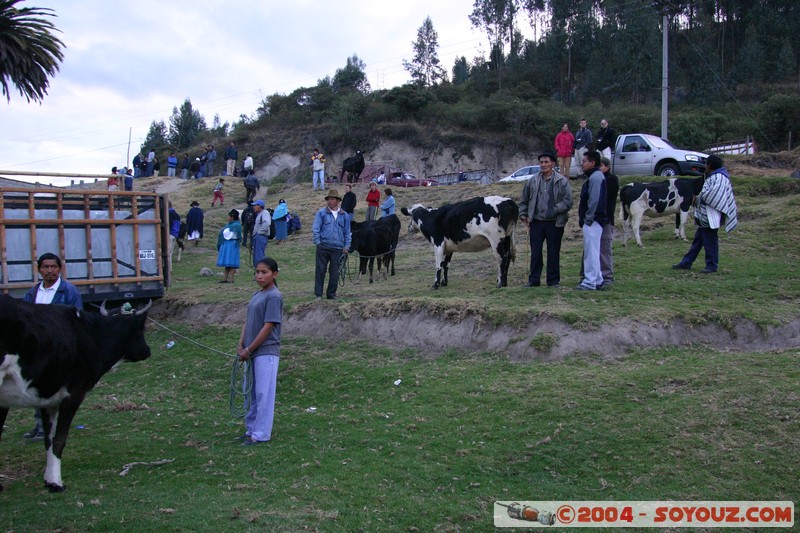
(606, 139)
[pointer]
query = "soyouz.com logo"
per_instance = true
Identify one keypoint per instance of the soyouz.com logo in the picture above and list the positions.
(644, 513)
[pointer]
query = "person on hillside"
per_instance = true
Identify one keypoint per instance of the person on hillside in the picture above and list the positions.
(261, 231)
(583, 140)
(218, 193)
(544, 207)
(53, 289)
(186, 163)
(174, 231)
(388, 205)
(172, 165)
(349, 201)
(714, 206)
(127, 180)
(331, 235)
(228, 246)
(564, 144)
(137, 165)
(231, 156)
(318, 169)
(156, 167)
(247, 166)
(251, 186)
(373, 200)
(606, 139)
(151, 157)
(260, 343)
(281, 216)
(194, 223)
(211, 156)
(248, 220)
(591, 219)
(113, 180)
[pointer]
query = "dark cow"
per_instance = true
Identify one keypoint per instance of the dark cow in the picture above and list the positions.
(674, 195)
(376, 239)
(353, 166)
(52, 355)
(468, 226)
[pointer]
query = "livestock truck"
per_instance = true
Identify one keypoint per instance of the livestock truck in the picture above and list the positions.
(114, 245)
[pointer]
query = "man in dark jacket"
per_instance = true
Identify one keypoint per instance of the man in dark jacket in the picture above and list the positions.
(349, 201)
(592, 218)
(51, 290)
(606, 139)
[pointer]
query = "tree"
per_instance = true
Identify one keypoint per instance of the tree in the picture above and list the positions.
(460, 71)
(496, 17)
(218, 128)
(29, 52)
(184, 125)
(425, 68)
(353, 77)
(156, 138)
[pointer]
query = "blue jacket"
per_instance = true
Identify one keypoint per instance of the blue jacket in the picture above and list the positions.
(387, 207)
(67, 294)
(330, 232)
(172, 161)
(174, 222)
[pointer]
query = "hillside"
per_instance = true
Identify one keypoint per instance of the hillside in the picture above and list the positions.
(751, 305)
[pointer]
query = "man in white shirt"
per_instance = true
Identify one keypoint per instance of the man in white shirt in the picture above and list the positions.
(51, 290)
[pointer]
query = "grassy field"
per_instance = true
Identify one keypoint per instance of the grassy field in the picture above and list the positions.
(461, 430)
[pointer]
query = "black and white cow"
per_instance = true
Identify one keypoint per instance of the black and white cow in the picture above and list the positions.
(52, 355)
(674, 195)
(376, 239)
(353, 166)
(469, 226)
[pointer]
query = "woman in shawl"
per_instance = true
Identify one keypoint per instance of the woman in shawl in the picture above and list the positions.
(228, 246)
(280, 218)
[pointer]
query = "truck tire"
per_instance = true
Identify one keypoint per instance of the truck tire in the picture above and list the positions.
(668, 170)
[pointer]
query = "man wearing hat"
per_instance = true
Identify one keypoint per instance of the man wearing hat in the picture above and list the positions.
(260, 232)
(544, 207)
(194, 222)
(331, 235)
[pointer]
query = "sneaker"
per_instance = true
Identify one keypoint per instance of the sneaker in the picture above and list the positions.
(707, 271)
(680, 266)
(583, 288)
(532, 284)
(244, 436)
(249, 441)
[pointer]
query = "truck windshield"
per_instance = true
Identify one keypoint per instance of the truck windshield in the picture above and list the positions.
(659, 143)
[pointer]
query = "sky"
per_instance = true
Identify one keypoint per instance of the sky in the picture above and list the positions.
(127, 64)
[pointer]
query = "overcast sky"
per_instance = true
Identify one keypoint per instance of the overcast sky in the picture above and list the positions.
(129, 63)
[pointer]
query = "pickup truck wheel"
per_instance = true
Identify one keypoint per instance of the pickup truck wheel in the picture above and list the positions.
(668, 170)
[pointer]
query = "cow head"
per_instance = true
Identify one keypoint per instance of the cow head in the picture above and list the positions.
(414, 212)
(126, 324)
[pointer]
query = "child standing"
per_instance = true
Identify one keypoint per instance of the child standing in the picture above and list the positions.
(260, 342)
(218, 193)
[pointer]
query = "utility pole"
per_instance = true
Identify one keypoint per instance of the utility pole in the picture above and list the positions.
(664, 74)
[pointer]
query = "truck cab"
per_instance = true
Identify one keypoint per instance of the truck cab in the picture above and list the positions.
(649, 155)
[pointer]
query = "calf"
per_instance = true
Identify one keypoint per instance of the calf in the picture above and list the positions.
(376, 239)
(51, 356)
(674, 195)
(468, 226)
(353, 166)
(179, 240)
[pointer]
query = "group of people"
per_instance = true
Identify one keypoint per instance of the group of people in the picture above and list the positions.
(568, 145)
(546, 200)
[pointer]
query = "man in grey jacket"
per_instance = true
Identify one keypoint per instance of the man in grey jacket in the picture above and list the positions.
(544, 207)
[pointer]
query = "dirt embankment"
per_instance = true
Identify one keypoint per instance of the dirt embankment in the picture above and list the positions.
(544, 338)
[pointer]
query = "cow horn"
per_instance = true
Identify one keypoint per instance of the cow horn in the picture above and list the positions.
(144, 309)
(103, 310)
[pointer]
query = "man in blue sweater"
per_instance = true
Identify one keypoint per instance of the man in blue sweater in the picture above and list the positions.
(331, 235)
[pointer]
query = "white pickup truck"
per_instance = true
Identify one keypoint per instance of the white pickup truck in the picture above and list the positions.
(648, 155)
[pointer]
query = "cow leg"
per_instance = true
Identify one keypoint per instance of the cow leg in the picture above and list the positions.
(57, 422)
(362, 267)
(680, 224)
(636, 220)
(391, 259)
(3, 415)
(438, 255)
(371, 267)
(503, 255)
(445, 268)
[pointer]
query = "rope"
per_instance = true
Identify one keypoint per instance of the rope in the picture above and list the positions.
(342, 269)
(241, 385)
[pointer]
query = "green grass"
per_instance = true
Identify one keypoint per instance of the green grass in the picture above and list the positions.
(433, 453)
(462, 430)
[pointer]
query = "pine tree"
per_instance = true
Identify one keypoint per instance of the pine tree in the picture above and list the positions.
(425, 68)
(184, 125)
(156, 138)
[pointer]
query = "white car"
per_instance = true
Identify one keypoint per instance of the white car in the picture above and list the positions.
(522, 174)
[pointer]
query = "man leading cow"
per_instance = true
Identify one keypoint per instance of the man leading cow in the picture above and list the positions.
(51, 290)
